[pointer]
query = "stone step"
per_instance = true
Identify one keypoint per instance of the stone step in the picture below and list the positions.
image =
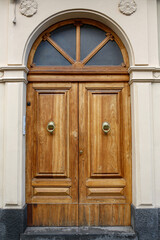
(79, 233)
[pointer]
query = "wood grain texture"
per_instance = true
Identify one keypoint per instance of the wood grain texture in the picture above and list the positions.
(104, 215)
(52, 148)
(54, 215)
(105, 165)
(78, 42)
(52, 159)
(95, 189)
(88, 70)
(78, 78)
(104, 148)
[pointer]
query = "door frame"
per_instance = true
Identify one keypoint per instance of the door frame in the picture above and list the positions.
(97, 74)
(112, 82)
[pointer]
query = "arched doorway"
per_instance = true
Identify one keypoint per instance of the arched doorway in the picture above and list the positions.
(78, 127)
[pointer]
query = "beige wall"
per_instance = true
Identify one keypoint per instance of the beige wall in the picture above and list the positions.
(139, 34)
(137, 28)
(158, 20)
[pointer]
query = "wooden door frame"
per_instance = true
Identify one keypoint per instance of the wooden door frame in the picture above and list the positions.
(74, 73)
(78, 66)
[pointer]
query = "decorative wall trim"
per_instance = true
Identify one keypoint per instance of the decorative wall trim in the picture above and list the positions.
(28, 7)
(127, 7)
(143, 68)
(143, 81)
(16, 68)
(144, 74)
(13, 74)
(156, 74)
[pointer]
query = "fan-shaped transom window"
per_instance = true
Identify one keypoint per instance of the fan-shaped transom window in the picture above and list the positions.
(79, 44)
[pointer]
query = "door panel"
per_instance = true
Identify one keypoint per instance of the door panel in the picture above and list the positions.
(52, 158)
(94, 188)
(52, 149)
(105, 165)
(103, 151)
(104, 214)
(53, 215)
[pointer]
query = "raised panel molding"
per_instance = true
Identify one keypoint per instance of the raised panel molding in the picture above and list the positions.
(105, 192)
(57, 110)
(52, 166)
(103, 189)
(109, 99)
(51, 192)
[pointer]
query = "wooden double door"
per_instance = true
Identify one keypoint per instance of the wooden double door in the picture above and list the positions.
(78, 174)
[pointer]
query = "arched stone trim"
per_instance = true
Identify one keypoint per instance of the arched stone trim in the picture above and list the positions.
(78, 13)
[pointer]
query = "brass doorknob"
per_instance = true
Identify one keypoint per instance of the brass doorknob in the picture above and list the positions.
(51, 127)
(106, 127)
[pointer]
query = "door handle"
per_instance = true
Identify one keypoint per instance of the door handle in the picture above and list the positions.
(106, 127)
(51, 127)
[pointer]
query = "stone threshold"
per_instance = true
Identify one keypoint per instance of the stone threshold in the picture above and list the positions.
(86, 233)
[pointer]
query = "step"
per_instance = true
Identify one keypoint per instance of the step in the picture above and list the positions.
(79, 233)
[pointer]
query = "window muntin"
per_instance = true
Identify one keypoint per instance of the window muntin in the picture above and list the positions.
(80, 45)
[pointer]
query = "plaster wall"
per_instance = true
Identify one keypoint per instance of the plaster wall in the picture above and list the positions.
(156, 140)
(158, 20)
(140, 36)
(1, 140)
(4, 7)
(138, 28)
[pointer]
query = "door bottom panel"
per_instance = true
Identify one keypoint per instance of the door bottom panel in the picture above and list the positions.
(53, 215)
(79, 215)
(104, 215)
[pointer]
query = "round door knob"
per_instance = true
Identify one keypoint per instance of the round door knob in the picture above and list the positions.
(51, 127)
(106, 127)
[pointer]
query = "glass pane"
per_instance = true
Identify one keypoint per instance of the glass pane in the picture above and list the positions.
(90, 37)
(65, 37)
(109, 55)
(47, 55)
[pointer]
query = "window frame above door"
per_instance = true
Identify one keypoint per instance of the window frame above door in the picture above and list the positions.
(119, 73)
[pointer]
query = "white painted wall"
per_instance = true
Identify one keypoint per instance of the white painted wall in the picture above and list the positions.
(13, 192)
(1, 141)
(158, 20)
(140, 36)
(4, 31)
(142, 142)
(156, 140)
(139, 27)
